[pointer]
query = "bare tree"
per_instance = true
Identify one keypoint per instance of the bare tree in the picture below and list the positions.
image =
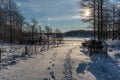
(100, 16)
(33, 25)
(48, 31)
(40, 34)
(11, 19)
(59, 37)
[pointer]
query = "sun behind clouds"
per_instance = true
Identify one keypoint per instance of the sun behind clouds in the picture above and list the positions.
(87, 12)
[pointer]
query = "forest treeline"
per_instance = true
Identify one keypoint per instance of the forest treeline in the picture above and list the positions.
(14, 28)
(79, 33)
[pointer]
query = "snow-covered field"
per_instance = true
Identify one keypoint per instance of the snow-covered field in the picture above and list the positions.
(67, 62)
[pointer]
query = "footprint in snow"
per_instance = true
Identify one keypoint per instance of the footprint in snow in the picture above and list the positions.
(48, 68)
(53, 64)
(50, 62)
(46, 79)
(52, 75)
(53, 59)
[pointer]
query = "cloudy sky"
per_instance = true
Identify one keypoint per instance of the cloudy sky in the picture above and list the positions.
(62, 14)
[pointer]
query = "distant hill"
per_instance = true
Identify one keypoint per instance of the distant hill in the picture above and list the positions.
(78, 33)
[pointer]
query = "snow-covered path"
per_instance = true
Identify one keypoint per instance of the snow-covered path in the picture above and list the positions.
(48, 65)
(68, 62)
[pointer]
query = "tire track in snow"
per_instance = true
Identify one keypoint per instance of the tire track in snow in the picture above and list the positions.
(67, 71)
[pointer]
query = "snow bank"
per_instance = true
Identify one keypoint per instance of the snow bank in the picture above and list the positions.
(114, 44)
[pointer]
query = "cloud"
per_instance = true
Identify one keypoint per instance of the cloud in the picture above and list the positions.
(46, 8)
(58, 13)
(18, 4)
(49, 19)
(114, 1)
(118, 4)
(63, 18)
(75, 17)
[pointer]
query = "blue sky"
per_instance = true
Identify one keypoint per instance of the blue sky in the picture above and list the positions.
(62, 14)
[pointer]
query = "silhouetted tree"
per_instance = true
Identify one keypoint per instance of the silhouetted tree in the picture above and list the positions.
(59, 37)
(33, 25)
(101, 17)
(48, 31)
(11, 21)
(40, 33)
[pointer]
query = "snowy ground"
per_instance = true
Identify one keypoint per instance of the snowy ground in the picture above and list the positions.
(67, 62)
